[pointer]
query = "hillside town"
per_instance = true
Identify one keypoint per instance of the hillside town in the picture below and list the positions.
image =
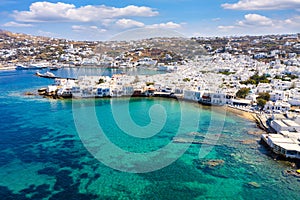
(255, 74)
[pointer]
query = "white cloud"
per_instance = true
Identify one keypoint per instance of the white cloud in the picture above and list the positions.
(168, 25)
(129, 23)
(87, 29)
(15, 24)
(256, 20)
(226, 28)
(263, 5)
(259, 24)
(46, 11)
(216, 19)
(292, 22)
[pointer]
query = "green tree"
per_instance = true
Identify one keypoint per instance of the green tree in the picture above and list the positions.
(186, 80)
(264, 81)
(264, 95)
(243, 92)
(101, 80)
(149, 83)
(261, 103)
(256, 79)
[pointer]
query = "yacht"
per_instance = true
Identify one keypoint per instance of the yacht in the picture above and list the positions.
(46, 74)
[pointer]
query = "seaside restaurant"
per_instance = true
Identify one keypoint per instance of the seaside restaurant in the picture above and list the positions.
(283, 145)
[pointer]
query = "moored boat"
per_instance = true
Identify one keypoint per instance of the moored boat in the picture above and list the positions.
(53, 68)
(46, 74)
(22, 67)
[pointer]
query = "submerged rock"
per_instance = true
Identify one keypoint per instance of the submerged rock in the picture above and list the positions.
(253, 184)
(29, 94)
(195, 134)
(208, 164)
(214, 163)
(250, 141)
(250, 132)
(294, 173)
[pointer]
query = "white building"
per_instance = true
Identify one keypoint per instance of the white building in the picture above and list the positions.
(281, 85)
(278, 95)
(294, 97)
(285, 125)
(264, 87)
(277, 107)
(218, 98)
(192, 94)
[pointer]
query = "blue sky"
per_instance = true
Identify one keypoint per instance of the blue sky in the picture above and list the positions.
(101, 20)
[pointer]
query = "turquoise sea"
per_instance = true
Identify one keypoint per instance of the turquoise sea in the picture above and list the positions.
(103, 149)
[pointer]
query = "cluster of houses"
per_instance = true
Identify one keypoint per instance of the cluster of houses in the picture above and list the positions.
(200, 80)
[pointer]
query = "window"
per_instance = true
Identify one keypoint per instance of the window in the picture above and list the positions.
(291, 152)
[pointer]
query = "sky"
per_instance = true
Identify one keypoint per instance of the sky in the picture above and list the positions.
(103, 20)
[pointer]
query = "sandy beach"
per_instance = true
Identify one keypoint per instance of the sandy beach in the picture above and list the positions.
(7, 68)
(246, 115)
(243, 114)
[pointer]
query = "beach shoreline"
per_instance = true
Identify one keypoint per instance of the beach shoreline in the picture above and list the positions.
(251, 116)
(7, 68)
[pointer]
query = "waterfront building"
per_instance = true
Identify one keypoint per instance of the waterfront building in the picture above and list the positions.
(285, 125)
(218, 98)
(192, 94)
(288, 147)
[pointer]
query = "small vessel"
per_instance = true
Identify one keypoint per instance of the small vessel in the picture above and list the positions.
(38, 65)
(46, 74)
(31, 66)
(53, 68)
(22, 67)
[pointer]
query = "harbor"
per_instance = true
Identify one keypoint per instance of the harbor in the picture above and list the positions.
(138, 100)
(47, 149)
(278, 138)
(233, 159)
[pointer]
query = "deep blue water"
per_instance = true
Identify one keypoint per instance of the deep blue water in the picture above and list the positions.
(59, 149)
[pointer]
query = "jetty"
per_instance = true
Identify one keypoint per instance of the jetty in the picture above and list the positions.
(261, 122)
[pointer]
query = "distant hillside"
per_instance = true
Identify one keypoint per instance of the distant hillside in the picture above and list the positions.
(21, 36)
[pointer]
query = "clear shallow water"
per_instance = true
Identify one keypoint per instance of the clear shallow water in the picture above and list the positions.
(42, 156)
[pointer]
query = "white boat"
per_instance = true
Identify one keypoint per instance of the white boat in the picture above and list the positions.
(52, 68)
(46, 74)
(20, 67)
(32, 66)
(23, 67)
